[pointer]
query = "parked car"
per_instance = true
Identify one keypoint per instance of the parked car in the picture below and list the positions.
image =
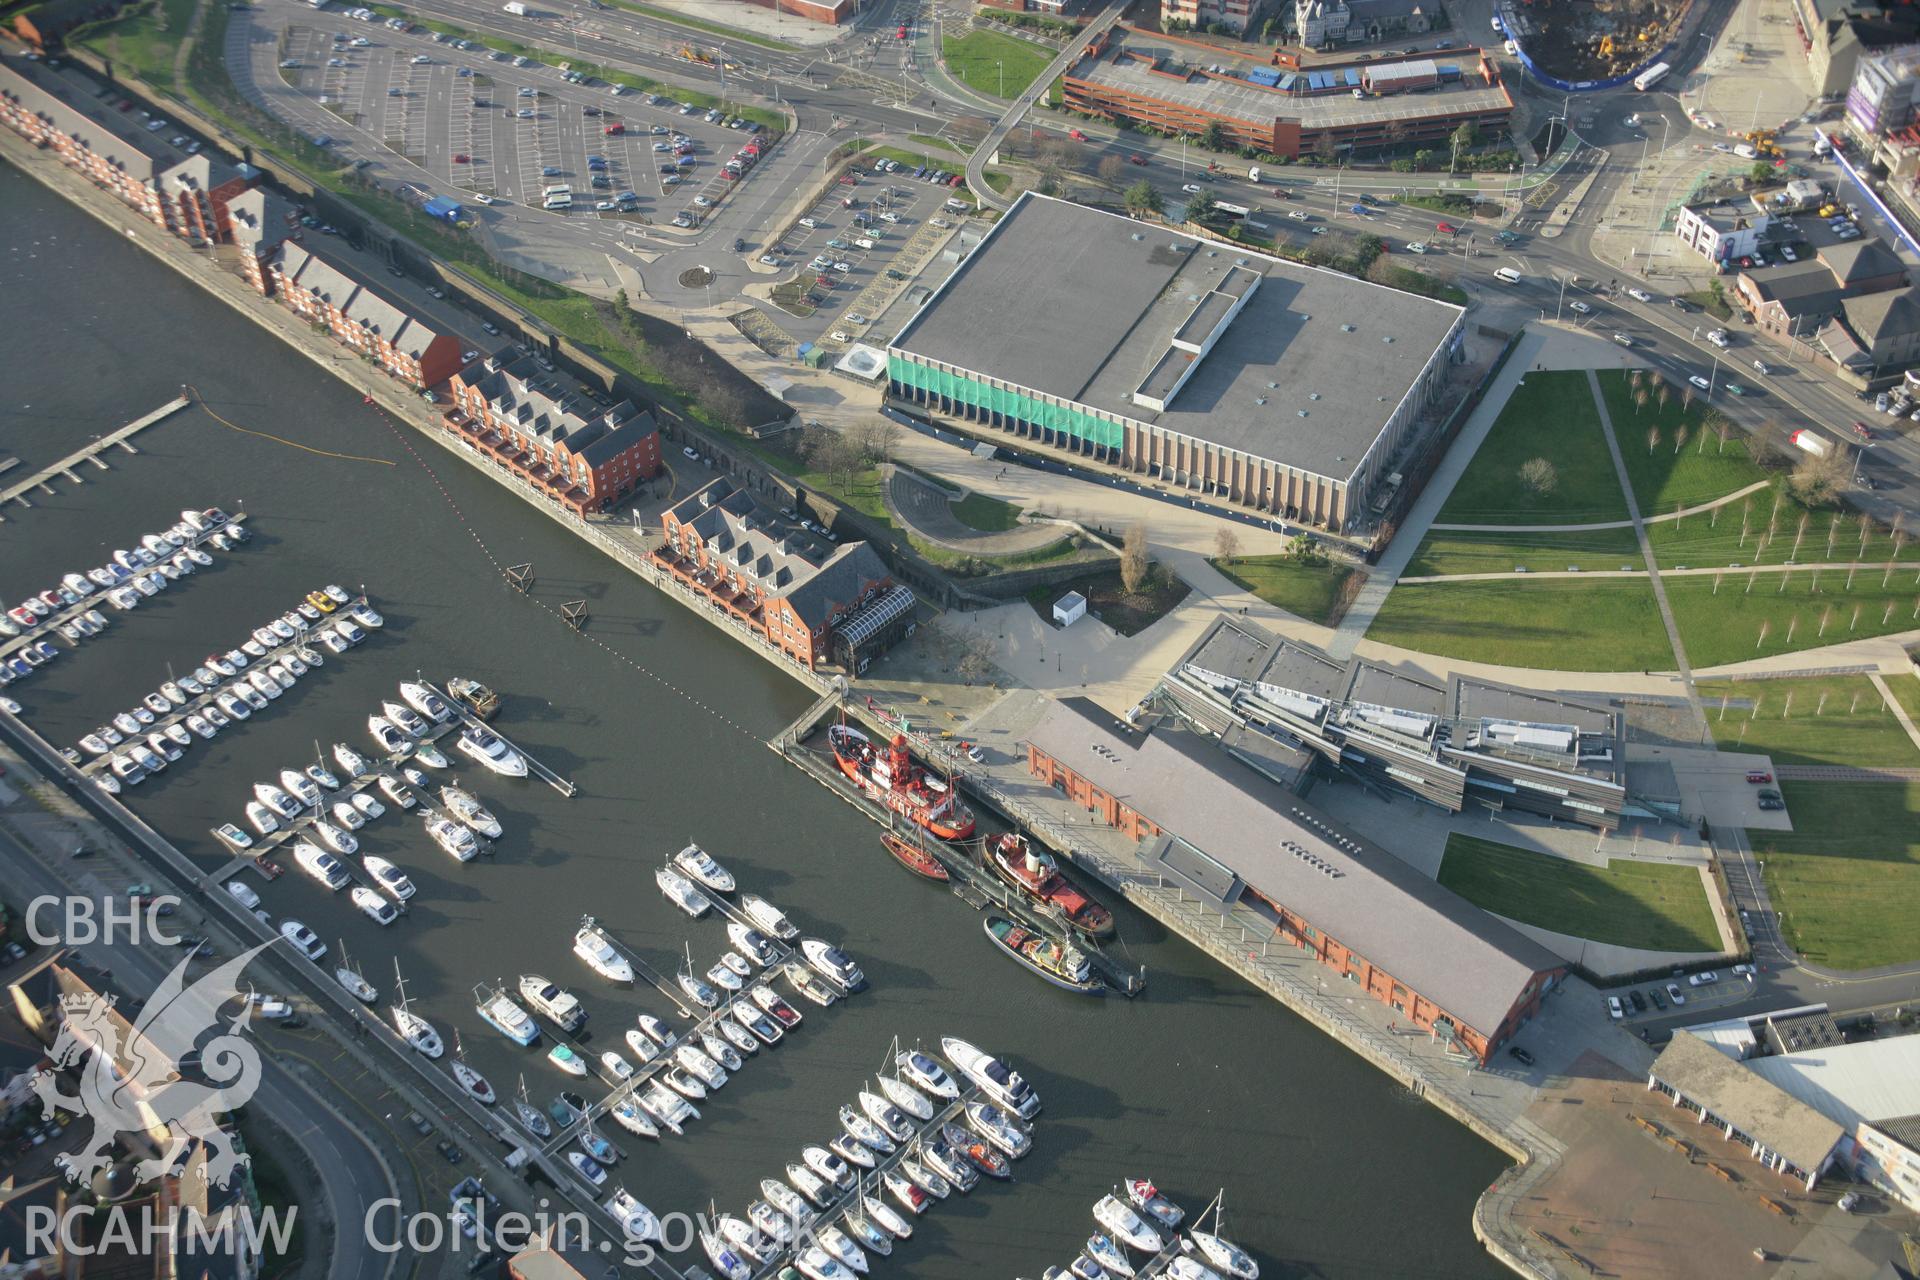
(1614, 1010)
(1521, 1055)
(1759, 775)
(1675, 994)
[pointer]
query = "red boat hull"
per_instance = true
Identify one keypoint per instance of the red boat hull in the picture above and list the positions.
(1007, 856)
(914, 859)
(906, 793)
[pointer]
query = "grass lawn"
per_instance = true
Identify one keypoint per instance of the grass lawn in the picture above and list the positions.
(1852, 726)
(990, 63)
(1445, 553)
(1771, 534)
(1603, 625)
(1107, 599)
(1906, 692)
(1846, 880)
(988, 515)
(1702, 470)
(1551, 416)
(1308, 591)
(1653, 906)
(142, 41)
(932, 143)
(1724, 628)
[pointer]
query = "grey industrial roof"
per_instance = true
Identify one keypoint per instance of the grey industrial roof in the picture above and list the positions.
(1081, 304)
(1471, 964)
(1870, 1080)
(1232, 650)
(1757, 1107)
(1123, 67)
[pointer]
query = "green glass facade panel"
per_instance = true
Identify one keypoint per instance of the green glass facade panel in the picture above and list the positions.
(1007, 403)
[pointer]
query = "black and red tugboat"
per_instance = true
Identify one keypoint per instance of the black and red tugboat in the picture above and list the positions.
(1034, 873)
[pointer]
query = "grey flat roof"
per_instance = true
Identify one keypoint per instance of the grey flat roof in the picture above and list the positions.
(1755, 1106)
(1469, 963)
(1391, 687)
(1261, 106)
(1082, 305)
(1473, 698)
(1232, 649)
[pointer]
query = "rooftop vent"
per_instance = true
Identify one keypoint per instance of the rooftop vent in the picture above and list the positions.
(1388, 338)
(1259, 399)
(1313, 395)
(1303, 413)
(1273, 386)
(1137, 236)
(1346, 328)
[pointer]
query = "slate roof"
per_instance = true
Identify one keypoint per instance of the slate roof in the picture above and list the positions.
(1471, 964)
(113, 139)
(1863, 259)
(735, 527)
(1879, 316)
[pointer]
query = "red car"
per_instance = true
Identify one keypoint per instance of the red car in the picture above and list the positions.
(1136, 158)
(1862, 430)
(1758, 776)
(1076, 135)
(461, 157)
(1446, 228)
(613, 130)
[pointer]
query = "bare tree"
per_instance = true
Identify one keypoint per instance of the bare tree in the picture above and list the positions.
(1134, 564)
(878, 436)
(1818, 481)
(1679, 437)
(834, 454)
(1640, 398)
(1539, 477)
(1666, 396)
(976, 660)
(1653, 440)
(1226, 544)
(1111, 170)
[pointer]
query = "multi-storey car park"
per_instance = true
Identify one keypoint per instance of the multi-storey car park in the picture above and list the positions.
(1179, 86)
(1279, 387)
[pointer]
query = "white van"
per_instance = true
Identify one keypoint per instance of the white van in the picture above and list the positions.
(1745, 151)
(561, 190)
(561, 201)
(862, 242)
(1507, 275)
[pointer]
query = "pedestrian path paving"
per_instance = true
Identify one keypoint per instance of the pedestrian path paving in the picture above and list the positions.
(1894, 705)
(1735, 496)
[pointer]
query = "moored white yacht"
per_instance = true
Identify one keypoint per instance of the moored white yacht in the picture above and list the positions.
(491, 751)
(768, 917)
(389, 737)
(414, 1029)
(591, 944)
(699, 864)
(997, 1080)
(426, 701)
(453, 837)
(681, 893)
(463, 806)
(391, 880)
(406, 717)
(276, 799)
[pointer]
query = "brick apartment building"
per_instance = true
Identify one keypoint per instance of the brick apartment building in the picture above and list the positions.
(1248, 847)
(41, 26)
(818, 607)
(588, 456)
(189, 196)
(360, 317)
(1201, 14)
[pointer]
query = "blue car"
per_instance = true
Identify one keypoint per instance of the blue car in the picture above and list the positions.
(1362, 210)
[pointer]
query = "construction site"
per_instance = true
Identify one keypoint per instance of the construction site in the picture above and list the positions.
(1592, 39)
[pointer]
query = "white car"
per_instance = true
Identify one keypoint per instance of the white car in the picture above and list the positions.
(1702, 979)
(1700, 382)
(843, 266)
(604, 206)
(841, 335)
(1719, 338)
(1418, 246)
(1640, 295)
(420, 60)
(809, 222)
(1297, 215)
(1192, 188)
(1762, 368)
(703, 202)
(690, 451)
(1581, 307)
(1614, 1010)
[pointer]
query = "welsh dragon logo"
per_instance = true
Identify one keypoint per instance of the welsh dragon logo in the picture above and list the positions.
(137, 1086)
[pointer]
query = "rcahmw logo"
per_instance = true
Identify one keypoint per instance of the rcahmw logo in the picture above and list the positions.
(83, 1230)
